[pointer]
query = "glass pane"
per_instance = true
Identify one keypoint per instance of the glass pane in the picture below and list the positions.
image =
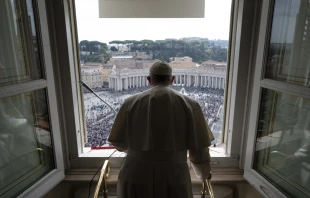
(19, 51)
(282, 153)
(288, 58)
(25, 142)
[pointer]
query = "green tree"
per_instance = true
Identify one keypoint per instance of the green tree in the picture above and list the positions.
(84, 45)
(103, 48)
(117, 42)
(94, 47)
(200, 49)
(94, 51)
(113, 49)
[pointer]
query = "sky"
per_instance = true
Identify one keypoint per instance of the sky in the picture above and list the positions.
(215, 25)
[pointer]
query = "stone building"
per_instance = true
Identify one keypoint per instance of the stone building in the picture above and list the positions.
(105, 74)
(214, 65)
(92, 75)
(143, 56)
(182, 62)
(129, 62)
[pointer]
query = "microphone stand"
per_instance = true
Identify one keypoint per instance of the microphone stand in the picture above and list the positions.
(92, 91)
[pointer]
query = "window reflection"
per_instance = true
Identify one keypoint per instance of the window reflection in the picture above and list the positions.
(19, 51)
(25, 142)
(288, 57)
(282, 152)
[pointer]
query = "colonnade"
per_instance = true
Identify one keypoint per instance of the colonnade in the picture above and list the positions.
(188, 80)
(211, 81)
(120, 83)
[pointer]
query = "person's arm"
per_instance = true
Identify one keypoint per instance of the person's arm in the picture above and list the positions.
(199, 152)
(200, 160)
(303, 152)
(118, 134)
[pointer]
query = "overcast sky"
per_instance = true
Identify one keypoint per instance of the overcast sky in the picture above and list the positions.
(215, 25)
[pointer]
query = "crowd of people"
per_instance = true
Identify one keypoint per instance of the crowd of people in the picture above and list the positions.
(210, 102)
(99, 117)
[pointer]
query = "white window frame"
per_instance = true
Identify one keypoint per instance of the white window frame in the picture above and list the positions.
(236, 89)
(251, 175)
(49, 181)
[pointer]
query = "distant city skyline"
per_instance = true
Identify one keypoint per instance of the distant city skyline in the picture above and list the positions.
(215, 25)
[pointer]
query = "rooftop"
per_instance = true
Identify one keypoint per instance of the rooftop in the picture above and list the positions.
(122, 57)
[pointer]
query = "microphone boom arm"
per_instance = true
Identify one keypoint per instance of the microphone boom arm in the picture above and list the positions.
(92, 91)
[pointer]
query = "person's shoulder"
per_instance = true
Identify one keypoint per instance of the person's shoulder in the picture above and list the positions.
(130, 99)
(192, 103)
(187, 99)
(135, 97)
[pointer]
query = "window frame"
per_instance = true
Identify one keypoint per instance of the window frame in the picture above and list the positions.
(47, 82)
(236, 90)
(261, 184)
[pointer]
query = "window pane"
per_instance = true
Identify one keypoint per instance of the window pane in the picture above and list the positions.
(19, 51)
(289, 51)
(282, 153)
(25, 142)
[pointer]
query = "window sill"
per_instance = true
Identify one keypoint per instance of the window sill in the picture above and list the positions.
(222, 178)
(88, 152)
(95, 158)
(219, 175)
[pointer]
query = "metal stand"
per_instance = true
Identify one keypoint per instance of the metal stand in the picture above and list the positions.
(207, 185)
(103, 178)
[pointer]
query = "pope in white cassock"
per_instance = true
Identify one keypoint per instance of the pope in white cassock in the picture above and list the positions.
(156, 128)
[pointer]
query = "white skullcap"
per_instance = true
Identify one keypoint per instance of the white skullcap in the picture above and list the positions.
(161, 68)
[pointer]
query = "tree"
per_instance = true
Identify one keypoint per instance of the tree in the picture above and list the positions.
(117, 43)
(129, 43)
(114, 49)
(103, 48)
(94, 47)
(200, 49)
(84, 46)
(93, 51)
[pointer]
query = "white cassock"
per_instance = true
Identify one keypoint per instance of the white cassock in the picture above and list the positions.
(156, 128)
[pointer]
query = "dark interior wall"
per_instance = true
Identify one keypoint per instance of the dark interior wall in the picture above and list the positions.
(68, 190)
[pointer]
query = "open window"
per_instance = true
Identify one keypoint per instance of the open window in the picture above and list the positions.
(133, 56)
(116, 54)
(31, 160)
(278, 152)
